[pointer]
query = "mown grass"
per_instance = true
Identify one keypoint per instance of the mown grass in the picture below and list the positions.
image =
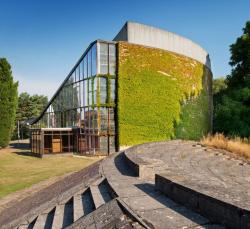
(19, 171)
(237, 146)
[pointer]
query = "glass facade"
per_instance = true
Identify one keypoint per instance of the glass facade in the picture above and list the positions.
(86, 103)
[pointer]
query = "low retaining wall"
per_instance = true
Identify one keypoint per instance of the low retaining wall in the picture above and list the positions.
(142, 169)
(216, 210)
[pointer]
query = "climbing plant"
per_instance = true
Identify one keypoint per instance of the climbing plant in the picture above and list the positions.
(161, 95)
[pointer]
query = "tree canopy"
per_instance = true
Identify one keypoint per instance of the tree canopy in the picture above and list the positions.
(219, 85)
(232, 104)
(240, 60)
(8, 102)
(29, 106)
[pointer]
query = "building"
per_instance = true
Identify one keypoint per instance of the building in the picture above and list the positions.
(146, 85)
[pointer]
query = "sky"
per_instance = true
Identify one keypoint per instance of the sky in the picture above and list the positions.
(43, 39)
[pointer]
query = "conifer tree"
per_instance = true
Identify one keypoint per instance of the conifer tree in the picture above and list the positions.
(8, 102)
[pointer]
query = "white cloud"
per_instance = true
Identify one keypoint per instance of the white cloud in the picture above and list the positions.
(36, 86)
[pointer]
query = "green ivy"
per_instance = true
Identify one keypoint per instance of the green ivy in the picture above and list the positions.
(152, 86)
(195, 118)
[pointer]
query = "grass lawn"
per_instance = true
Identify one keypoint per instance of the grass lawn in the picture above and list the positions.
(19, 171)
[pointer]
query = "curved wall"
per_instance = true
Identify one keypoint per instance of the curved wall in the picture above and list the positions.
(153, 37)
(161, 95)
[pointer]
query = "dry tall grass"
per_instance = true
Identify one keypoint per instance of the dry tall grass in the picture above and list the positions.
(238, 146)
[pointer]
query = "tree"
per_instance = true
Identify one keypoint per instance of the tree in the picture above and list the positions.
(219, 85)
(232, 104)
(28, 107)
(8, 102)
(240, 60)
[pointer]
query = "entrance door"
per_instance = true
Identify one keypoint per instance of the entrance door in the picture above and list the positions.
(56, 144)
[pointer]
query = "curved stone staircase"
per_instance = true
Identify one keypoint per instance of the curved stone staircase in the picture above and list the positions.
(71, 209)
(121, 192)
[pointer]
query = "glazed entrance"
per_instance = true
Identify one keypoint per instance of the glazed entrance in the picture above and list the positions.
(66, 140)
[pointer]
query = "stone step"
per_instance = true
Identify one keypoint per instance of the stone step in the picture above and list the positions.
(87, 202)
(78, 207)
(40, 221)
(105, 192)
(97, 196)
(49, 220)
(58, 217)
(27, 225)
(68, 213)
(24, 226)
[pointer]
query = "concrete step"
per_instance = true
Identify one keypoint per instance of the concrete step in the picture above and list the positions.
(105, 192)
(68, 213)
(70, 209)
(78, 207)
(40, 221)
(87, 202)
(50, 218)
(97, 196)
(27, 225)
(58, 217)
(24, 226)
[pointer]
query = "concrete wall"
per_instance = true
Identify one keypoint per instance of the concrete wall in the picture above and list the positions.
(153, 37)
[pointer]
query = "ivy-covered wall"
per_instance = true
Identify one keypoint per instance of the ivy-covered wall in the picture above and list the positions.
(161, 95)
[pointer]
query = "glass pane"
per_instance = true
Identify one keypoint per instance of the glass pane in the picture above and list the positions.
(103, 58)
(85, 62)
(90, 92)
(86, 93)
(111, 121)
(103, 119)
(112, 144)
(94, 118)
(95, 90)
(112, 59)
(103, 90)
(86, 118)
(81, 89)
(112, 90)
(78, 72)
(81, 70)
(89, 63)
(94, 60)
(104, 144)
(71, 79)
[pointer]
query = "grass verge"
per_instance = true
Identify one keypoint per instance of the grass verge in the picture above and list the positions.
(238, 146)
(19, 171)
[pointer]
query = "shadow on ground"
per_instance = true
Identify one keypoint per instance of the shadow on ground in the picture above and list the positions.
(122, 166)
(20, 145)
(24, 146)
(149, 189)
(27, 153)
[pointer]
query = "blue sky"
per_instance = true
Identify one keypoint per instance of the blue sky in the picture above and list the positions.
(43, 39)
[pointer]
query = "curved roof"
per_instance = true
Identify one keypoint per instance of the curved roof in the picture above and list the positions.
(158, 38)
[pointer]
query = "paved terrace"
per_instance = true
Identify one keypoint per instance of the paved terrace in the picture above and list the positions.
(211, 182)
(173, 184)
